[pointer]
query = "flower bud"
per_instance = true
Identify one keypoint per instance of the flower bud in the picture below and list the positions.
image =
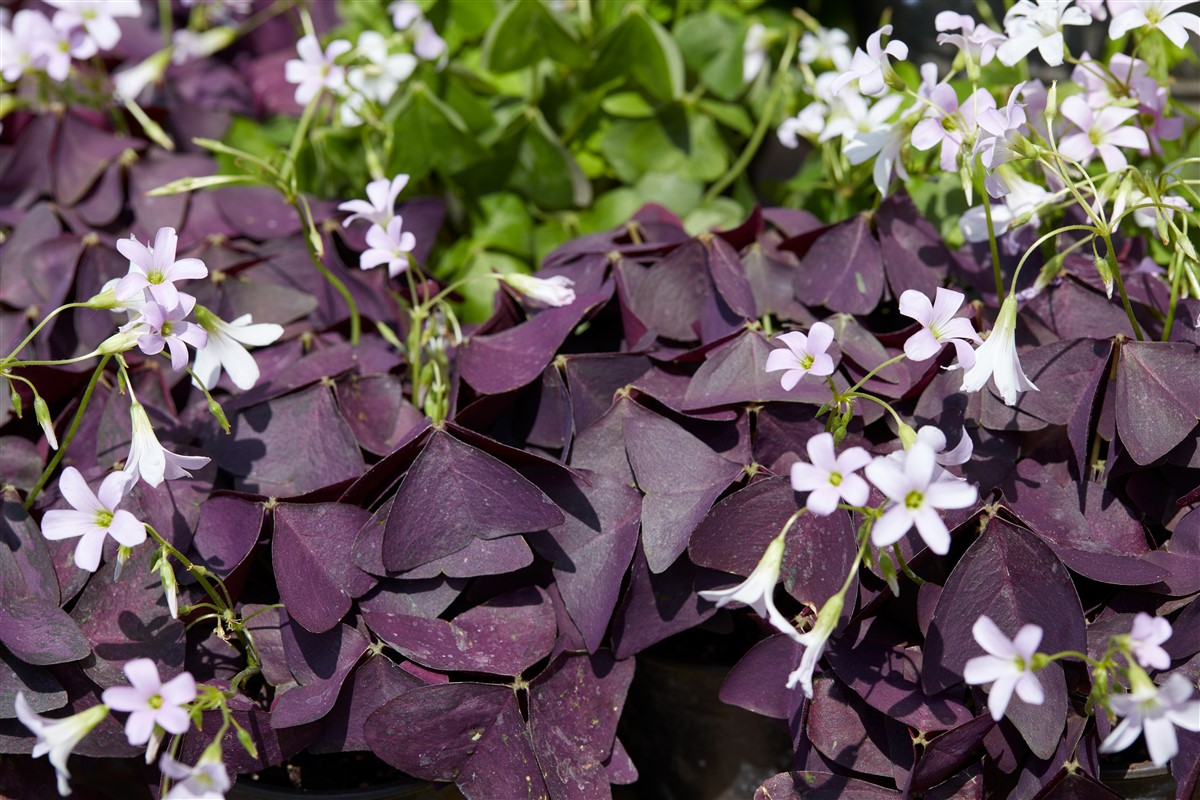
(166, 574)
(105, 300)
(1052, 103)
(42, 413)
(908, 436)
(555, 291)
(1105, 275)
(118, 343)
(888, 569)
(123, 554)
(15, 396)
(215, 409)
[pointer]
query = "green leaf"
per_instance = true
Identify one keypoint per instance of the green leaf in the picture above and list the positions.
(429, 134)
(546, 173)
(503, 224)
(676, 192)
(627, 105)
(676, 140)
(611, 209)
(711, 44)
(526, 32)
(718, 213)
(640, 47)
(730, 115)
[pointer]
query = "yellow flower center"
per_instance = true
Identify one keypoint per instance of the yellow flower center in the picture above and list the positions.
(913, 500)
(104, 518)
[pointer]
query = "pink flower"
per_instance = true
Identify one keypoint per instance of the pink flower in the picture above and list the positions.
(977, 42)
(1039, 26)
(802, 355)
(869, 68)
(758, 590)
(1154, 712)
(1100, 133)
(151, 702)
(1000, 138)
(1008, 664)
(167, 328)
(24, 48)
(1145, 639)
(390, 247)
(315, 70)
(95, 517)
(915, 494)
(939, 326)
(95, 17)
(156, 269)
(830, 478)
(381, 207)
(205, 781)
(1164, 15)
(951, 125)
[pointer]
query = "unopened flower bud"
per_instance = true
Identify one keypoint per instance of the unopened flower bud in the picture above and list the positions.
(166, 574)
(908, 436)
(123, 554)
(1105, 275)
(42, 413)
(215, 409)
(555, 291)
(105, 300)
(888, 569)
(118, 343)
(15, 397)
(1052, 102)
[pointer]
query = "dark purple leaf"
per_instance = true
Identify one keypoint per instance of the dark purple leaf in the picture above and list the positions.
(914, 255)
(479, 557)
(671, 295)
(856, 736)
(20, 462)
(311, 556)
(45, 276)
(821, 786)
(155, 170)
(573, 711)
(320, 663)
(735, 374)
(420, 598)
(1097, 538)
(1071, 311)
(266, 456)
(376, 681)
(729, 277)
(862, 350)
(128, 619)
(39, 686)
(39, 632)
(657, 606)
(501, 362)
(680, 476)
(757, 682)
(257, 212)
(1161, 376)
(173, 507)
(469, 733)
(950, 752)
(275, 745)
(28, 165)
(593, 381)
(375, 408)
(1076, 786)
(1067, 369)
(872, 660)
(843, 270)
(455, 492)
(229, 528)
(1011, 577)
(264, 301)
(83, 153)
(26, 565)
(504, 636)
(772, 276)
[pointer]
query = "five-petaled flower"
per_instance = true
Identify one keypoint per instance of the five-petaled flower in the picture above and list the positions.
(156, 269)
(150, 702)
(1164, 15)
(96, 18)
(380, 205)
(916, 490)
(871, 68)
(1153, 712)
(830, 478)
(802, 355)
(1100, 133)
(205, 781)
(94, 517)
(390, 246)
(758, 590)
(160, 327)
(316, 70)
(58, 737)
(1008, 666)
(1146, 638)
(1039, 25)
(939, 326)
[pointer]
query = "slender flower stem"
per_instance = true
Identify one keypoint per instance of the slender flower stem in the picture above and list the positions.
(337, 283)
(907, 570)
(1074, 654)
(875, 399)
(70, 435)
(37, 329)
(764, 122)
(871, 374)
(991, 228)
(1177, 274)
(56, 362)
(1115, 270)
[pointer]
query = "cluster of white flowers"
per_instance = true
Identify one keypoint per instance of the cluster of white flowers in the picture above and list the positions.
(78, 30)
(155, 709)
(387, 241)
(377, 70)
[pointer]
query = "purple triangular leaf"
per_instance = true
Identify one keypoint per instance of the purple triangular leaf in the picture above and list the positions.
(657, 606)
(454, 492)
(376, 681)
(670, 297)
(950, 752)
(39, 632)
(1162, 376)
(856, 736)
(228, 530)
(26, 565)
(375, 409)
(320, 663)
(757, 682)
(735, 374)
(729, 277)
(843, 270)
(914, 255)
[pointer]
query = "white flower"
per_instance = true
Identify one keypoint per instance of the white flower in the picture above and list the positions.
(150, 702)
(156, 269)
(95, 517)
(754, 51)
(1101, 133)
(23, 49)
(1038, 25)
(758, 590)
(381, 207)
(1161, 14)
(379, 79)
(939, 326)
(1000, 139)
(1009, 663)
(961, 454)
(802, 355)
(225, 348)
(808, 123)
(96, 17)
(916, 490)
(826, 46)
(555, 291)
(978, 43)
(870, 68)
(149, 459)
(316, 70)
(830, 478)
(814, 644)
(884, 144)
(1020, 205)
(1154, 712)
(67, 41)
(1146, 638)
(205, 781)
(58, 737)
(997, 358)
(390, 246)
(852, 116)
(405, 13)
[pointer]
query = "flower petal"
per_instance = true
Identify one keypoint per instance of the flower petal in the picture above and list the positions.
(75, 491)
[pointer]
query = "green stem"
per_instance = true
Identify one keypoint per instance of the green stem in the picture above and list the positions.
(37, 329)
(53, 363)
(1115, 269)
(991, 228)
(875, 399)
(1075, 654)
(1175, 281)
(871, 374)
(289, 163)
(764, 122)
(70, 435)
(908, 573)
(337, 283)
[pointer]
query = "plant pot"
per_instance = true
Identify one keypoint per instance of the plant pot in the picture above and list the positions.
(687, 744)
(1143, 781)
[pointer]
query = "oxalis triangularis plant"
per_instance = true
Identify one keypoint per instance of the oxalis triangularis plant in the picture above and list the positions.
(982, 143)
